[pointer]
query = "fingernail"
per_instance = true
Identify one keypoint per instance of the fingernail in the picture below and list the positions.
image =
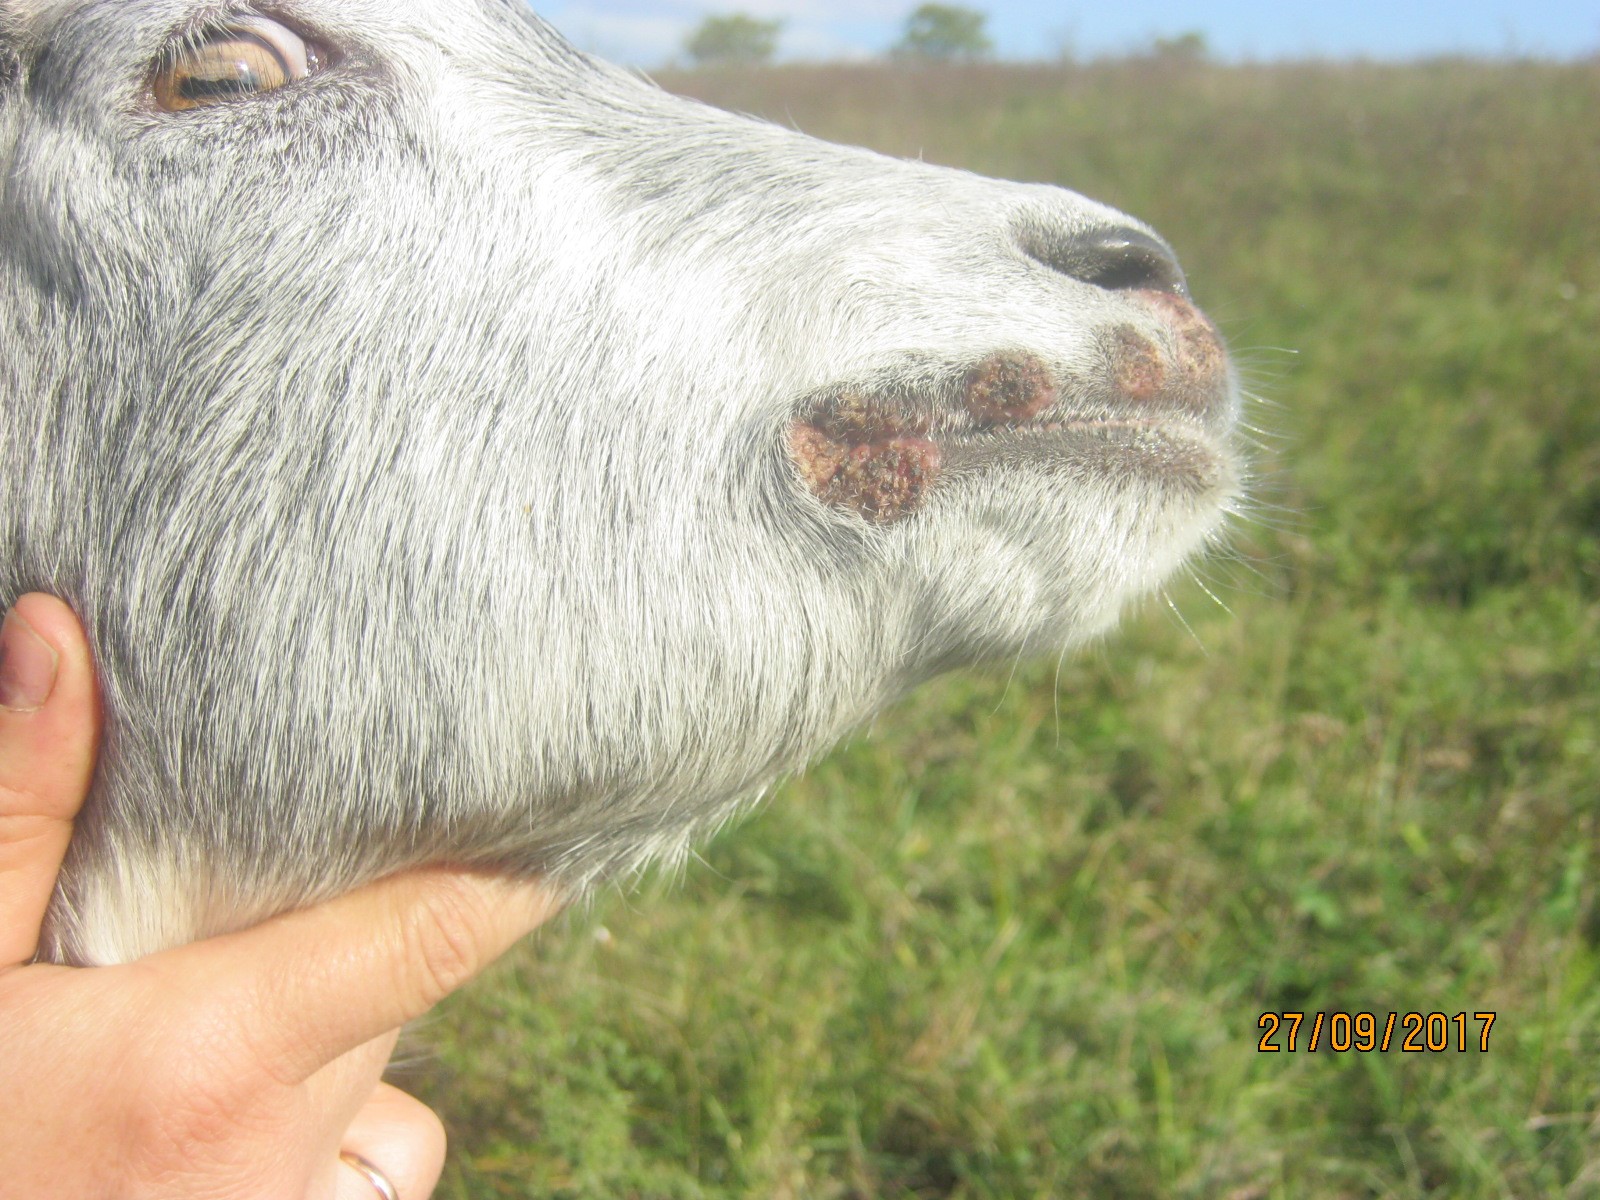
(27, 666)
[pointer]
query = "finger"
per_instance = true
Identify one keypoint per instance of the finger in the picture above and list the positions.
(339, 1090)
(400, 1136)
(304, 988)
(49, 727)
(332, 1098)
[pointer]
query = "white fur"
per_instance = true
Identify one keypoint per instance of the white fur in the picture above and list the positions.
(412, 442)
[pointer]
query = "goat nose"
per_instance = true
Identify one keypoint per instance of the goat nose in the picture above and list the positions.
(1117, 258)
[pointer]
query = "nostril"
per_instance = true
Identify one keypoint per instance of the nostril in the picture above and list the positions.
(1115, 258)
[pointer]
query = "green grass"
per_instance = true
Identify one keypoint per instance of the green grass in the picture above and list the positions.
(1014, 941)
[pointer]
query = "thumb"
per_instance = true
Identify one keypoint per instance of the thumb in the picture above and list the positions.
(311, 985)
(49, 726)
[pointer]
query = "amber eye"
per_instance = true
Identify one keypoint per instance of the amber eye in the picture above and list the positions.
(246, 57)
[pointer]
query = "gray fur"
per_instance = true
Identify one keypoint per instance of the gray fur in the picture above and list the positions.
(412, 443)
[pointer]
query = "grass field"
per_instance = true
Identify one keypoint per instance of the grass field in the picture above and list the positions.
(1015, 940)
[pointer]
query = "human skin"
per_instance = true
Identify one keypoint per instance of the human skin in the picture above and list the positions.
(236, 1068)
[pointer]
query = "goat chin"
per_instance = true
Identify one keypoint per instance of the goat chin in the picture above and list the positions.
(461, 451)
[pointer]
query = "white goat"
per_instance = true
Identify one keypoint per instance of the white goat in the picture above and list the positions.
(460, 450)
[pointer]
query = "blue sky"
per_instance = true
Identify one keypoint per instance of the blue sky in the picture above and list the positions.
(648, 34)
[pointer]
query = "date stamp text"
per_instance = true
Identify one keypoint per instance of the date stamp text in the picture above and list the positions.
(1364, 1032)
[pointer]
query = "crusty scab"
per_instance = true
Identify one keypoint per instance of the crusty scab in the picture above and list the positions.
(1137, 368)
(881, 478)
(1009, 387)
(871, 453)
(1198, 347)
(876, 452)
(1188, 371)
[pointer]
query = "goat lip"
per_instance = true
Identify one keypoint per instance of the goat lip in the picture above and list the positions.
(1065, 430)
(1157, 410)
(1209, 418)
(1058, 425)
(1171, 448)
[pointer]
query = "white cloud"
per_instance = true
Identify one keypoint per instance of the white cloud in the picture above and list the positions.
(811, 43)
(815, 11)
(633, 40)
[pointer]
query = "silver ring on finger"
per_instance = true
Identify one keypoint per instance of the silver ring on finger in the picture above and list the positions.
(379, 1181)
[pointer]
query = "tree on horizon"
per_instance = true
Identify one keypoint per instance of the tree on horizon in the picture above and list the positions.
(736, 39)
(944, 33)
(1190, 46)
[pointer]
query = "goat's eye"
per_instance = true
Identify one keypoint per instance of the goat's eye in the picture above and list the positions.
(246, 57)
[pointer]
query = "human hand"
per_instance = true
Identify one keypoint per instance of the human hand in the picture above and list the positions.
(238, 1068)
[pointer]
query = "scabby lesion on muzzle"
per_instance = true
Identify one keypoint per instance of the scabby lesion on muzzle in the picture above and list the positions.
(874, 452)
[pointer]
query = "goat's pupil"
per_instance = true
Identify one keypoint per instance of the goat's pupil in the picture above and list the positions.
(241, 64)
(196, 88)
